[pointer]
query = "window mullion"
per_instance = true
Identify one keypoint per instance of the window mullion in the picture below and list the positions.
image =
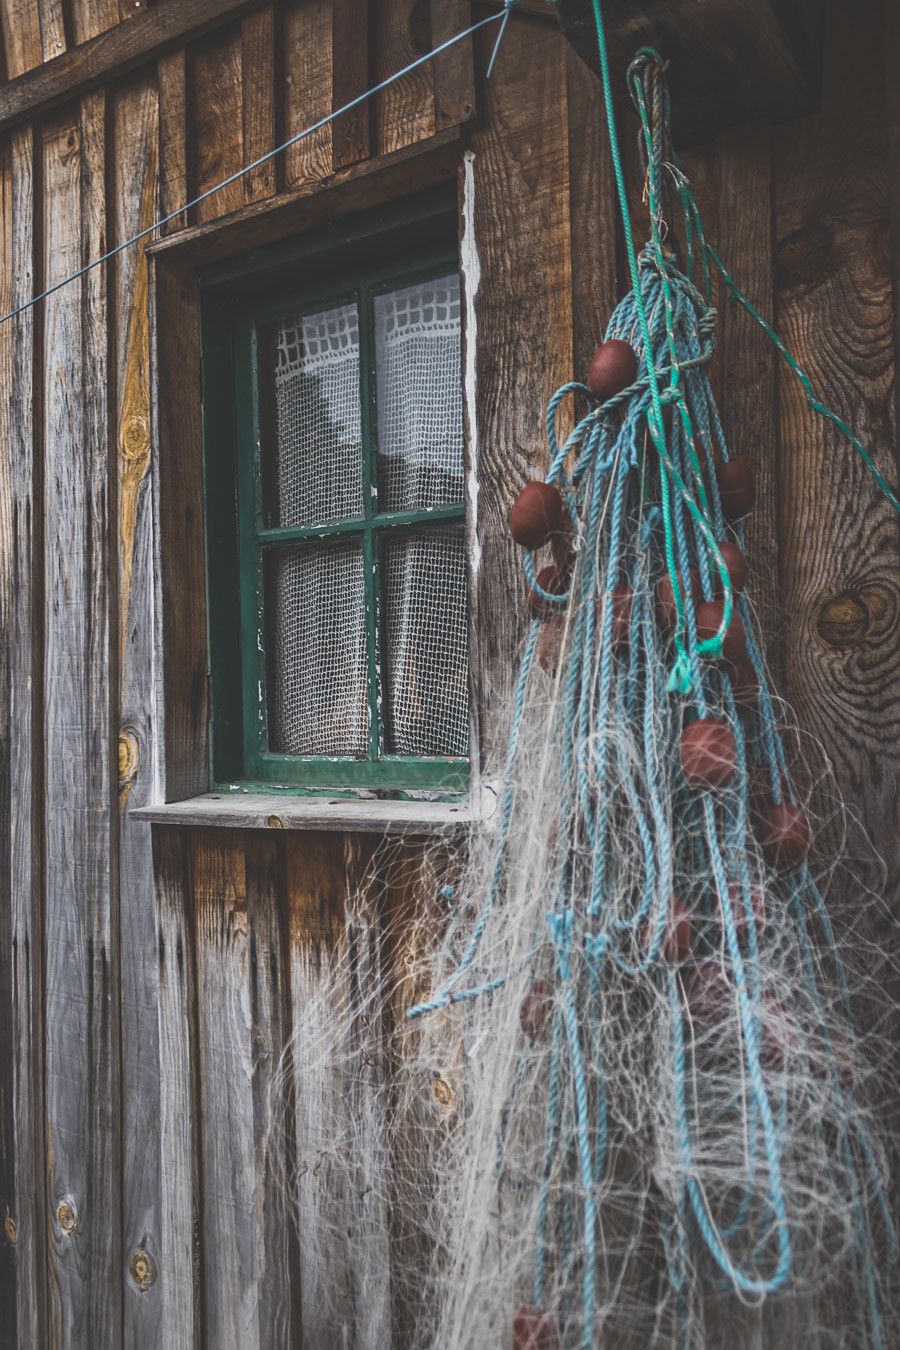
(370, 487)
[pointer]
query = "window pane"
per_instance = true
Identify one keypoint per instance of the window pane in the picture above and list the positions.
(310, 418)
(318, 673)
(419, 396)
(424, 624)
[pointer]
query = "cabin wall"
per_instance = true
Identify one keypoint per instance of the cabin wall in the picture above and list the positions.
(151, 976)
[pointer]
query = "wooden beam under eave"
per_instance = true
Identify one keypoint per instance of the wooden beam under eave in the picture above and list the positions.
(106, 57)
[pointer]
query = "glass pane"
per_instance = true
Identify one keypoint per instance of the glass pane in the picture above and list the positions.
(317, 667)
(310, 418)
(419, 396)
(424, 626)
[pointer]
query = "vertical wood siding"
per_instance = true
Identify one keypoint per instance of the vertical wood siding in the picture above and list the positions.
(151, 980)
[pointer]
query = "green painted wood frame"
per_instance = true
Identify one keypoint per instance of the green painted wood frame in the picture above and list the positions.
(236, 534)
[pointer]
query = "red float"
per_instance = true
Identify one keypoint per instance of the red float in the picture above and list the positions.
(666, 611)
(737, 487)
(709, 621)
(678, 942)
(537, 513)
(708, 753)
(783, 833)
(735, 565)
(535, 1329)
(549, 580)
(614, 368)
(535, 1011)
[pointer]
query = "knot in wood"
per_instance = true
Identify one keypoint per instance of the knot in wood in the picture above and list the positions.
(143, 1270)
(274, 822)
(129, 758)
(66, 1217)
(844, 620)
(11, 1230)
(135, 441)
(442, 1092)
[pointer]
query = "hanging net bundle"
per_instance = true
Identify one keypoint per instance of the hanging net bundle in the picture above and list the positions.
(661, 1132)
(628, 1102)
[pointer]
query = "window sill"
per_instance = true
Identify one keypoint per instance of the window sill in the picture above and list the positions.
(279, 812)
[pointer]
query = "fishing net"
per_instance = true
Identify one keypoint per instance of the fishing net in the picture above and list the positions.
(615, 1088)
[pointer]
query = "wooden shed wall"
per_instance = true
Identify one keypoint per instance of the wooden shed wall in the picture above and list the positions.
(150, 976)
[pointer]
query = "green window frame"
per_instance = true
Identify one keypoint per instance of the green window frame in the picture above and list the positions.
(419, 247)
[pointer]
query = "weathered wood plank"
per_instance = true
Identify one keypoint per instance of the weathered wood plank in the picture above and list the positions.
(182, 565)
(81, 995)
(337, 1056)
(240, 999)
(8, 1206)
(136, 136)
(837, 534)
(306, 29)
(747, 359)
(108, 56)
(179, 1240)
(454, 71)
(258, 92)
(53, 29)
(173, 176)
(523, 305)
(351, 134)
(21, 36)
(404, 112)
(215, 122)
(25, 881)
(90, 17)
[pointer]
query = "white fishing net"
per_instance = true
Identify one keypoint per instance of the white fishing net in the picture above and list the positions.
(420, 424)
(424, 618)
(317, 471)
(317, 599)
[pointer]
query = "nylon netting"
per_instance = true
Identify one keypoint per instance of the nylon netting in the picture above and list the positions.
(424, 621)
(420, 427)
(317, 470)
(317, 600)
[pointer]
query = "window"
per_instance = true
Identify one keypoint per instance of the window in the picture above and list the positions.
(336, 522)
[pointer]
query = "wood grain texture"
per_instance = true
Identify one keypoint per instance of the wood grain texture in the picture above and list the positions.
(747, 390)
(21, 36)
(173, 174)
(838, 535)
(81, 996)
(182, 565)
(8, 1314)
(179, 1136)
(404, 112)
(25, 880)
(136, 138)
(337, 1058)
(241, 1032)
(306, 42)
(90, 17)
(258, 97)
(523, 311)
(215, 121)
(66, 74)
(350, 77)
(453, 71)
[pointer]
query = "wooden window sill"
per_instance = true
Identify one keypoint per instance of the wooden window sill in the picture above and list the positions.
(251, 811)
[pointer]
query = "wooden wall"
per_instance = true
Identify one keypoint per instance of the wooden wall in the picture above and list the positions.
(150, 976)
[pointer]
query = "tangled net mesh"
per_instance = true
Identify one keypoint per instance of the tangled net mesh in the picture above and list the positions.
(618, 1079)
